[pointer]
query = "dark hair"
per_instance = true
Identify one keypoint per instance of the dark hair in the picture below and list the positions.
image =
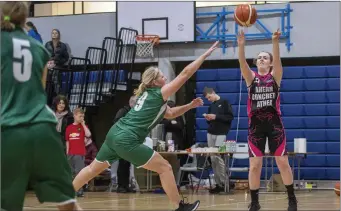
(56, 101)
(13, 13)
(271, 59)
(30, 24)
(208, 90)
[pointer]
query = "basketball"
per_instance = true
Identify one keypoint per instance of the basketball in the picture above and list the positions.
(337, 188)
(245, 15)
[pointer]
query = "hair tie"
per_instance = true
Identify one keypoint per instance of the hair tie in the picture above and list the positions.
(7, 18)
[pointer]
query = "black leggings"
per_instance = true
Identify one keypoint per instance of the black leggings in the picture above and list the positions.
(123, 173)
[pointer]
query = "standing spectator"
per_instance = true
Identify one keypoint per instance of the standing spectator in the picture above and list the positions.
(33, 32)
(76, 135)
(219, 119)
(123, 170)
(64, 116)
(58, 50)
(59, 57)
(175, 127)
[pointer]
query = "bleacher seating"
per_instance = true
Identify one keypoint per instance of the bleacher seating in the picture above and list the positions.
(77, 84)
(310, 105)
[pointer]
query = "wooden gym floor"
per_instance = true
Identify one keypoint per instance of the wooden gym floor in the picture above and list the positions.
(315, 200)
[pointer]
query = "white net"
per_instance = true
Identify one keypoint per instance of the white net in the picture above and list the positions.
(145, 47)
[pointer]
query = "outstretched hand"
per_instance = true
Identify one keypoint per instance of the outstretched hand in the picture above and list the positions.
(241, 37)
(276, 35)
(211, 49)
(197, 102)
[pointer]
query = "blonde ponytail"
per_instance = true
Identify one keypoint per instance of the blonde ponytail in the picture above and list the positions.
(140, 89)
(148, 77)
(13, 13)
(6, 25)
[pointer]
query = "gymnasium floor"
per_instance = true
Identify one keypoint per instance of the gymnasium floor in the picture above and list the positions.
(315, 200)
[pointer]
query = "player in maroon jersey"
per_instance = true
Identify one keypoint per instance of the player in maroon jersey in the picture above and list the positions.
(263, 108)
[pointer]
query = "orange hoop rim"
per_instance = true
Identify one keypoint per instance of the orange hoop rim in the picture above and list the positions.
(147, 37)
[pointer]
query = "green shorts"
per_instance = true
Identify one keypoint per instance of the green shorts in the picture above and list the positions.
(119, 144)
(34, 154)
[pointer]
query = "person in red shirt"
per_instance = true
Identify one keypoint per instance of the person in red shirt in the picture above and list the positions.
(75, 136)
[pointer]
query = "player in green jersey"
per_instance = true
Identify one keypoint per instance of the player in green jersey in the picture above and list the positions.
(125, 138)
(31, 151)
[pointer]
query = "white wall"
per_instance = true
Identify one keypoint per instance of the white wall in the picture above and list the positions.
(79, 31)
(316, 32)
(145, 10)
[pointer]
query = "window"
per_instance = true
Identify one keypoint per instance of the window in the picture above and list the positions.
(97, 7)
(221, 3)
(78, 7)
(63, 8)
(42, 10)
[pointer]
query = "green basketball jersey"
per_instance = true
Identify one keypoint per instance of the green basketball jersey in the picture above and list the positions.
(148, 111)
(23, 98)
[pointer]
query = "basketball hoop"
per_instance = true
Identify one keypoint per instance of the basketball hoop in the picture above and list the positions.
(145, 44)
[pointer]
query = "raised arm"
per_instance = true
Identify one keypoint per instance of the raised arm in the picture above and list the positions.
(247, 73)
(86, 130)
(174, 112)
(277, 71)
(172, 87)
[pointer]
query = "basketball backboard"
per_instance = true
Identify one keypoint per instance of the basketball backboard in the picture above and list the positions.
(173, 22)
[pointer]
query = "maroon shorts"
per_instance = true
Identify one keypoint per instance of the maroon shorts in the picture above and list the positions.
(266, 124)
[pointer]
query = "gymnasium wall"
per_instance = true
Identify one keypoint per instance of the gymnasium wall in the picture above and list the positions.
(315, 32)
(78, 31)
(310, 106)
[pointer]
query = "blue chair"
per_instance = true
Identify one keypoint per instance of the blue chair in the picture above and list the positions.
(333, 71)
(315, 84)
(333, 122)
(333, 160)
(333, 109)
(333, 84)
(206, 75)
(315, 109)
(315, 72)
(292, 110)
(332, 173)
(315, 122)
(333, 96)
(293, 122)
(315, 97)
(293, 72)
(333, 135)
(201, 85)
(292, 97)
(315, 134)
(231, 74)
(333, 148)
(292, 85)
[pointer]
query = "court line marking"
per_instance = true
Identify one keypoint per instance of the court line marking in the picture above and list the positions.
(138, 198)
(237, 203)
(90, 202)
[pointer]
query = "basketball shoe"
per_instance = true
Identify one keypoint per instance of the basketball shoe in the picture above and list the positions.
(187, 206)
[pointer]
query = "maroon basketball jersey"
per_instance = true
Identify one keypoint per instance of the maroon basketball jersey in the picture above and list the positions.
(263, 94)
